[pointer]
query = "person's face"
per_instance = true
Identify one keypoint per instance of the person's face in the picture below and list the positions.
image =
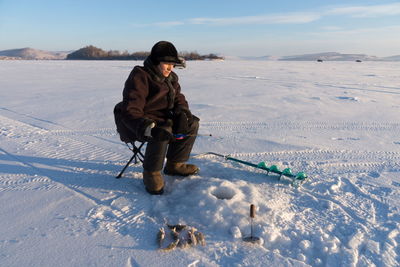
(166, 68)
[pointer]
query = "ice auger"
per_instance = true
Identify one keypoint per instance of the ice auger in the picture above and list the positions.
(297, 179)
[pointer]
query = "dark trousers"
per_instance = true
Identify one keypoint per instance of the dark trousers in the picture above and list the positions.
(176, 151)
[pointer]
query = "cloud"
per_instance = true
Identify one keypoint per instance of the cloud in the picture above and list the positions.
(331, 28)
(168, 24)
(366, 33)
(160, 24)
(291, 18)
(288, 18)
(367, 11)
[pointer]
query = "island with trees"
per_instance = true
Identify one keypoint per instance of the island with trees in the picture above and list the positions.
(94, 53)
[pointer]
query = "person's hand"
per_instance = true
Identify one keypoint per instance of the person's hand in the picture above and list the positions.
(194, 118)
(177, 111)
(161, 134)
(180, 123)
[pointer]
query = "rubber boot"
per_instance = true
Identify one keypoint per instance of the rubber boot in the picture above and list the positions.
(153, 182)
(180, 168)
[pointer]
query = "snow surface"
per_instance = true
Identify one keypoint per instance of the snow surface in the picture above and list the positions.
(337, 121)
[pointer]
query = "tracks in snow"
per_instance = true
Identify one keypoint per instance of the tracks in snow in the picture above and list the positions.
(86, 145)
(83, 153)
(66, 144)
(22, 182)
(77, 161)
(306, 125)
(327, 162)
(73, 158)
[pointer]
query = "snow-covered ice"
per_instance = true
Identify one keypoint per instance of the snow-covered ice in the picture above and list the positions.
(337, 121)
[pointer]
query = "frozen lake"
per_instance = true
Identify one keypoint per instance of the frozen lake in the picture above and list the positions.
(337, 121)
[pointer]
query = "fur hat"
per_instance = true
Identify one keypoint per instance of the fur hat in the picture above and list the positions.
(164, 51)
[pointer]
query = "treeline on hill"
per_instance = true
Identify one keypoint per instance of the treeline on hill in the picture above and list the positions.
(93, 53)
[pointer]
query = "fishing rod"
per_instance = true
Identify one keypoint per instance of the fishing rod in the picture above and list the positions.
(182, 136)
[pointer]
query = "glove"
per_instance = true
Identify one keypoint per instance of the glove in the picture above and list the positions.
(160, 134)
(182, 120)
(190, 117)
(180, 123)
(194, 118)
(178, 110)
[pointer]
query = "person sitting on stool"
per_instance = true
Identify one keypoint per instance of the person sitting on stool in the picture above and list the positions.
(155, 111)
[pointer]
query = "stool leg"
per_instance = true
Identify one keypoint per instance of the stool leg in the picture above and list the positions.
(137, 154)
(126, 166)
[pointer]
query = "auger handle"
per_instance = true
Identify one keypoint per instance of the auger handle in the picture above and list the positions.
(252, 211)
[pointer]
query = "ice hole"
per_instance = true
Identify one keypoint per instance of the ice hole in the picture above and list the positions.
(224, 193)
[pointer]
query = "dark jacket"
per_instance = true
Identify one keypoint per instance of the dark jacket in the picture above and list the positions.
(149, 96)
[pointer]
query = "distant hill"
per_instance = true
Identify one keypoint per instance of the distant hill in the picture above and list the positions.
(94, 53)
(330, 56)
(262, 58)
(32, 54)
(392, 58)
(327, 56)
(91, 52)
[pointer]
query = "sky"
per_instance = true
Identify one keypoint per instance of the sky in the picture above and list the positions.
(226, 27)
